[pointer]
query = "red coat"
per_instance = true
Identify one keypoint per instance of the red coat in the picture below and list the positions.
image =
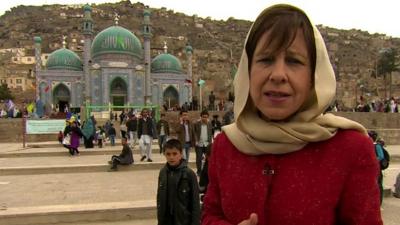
(328, 182)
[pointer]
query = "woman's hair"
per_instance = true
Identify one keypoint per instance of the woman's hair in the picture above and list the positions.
(283, 22)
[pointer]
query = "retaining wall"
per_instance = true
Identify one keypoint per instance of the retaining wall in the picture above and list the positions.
(387, 125)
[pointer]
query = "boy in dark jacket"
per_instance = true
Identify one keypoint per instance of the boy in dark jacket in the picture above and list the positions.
(125, 158)
(178, 191)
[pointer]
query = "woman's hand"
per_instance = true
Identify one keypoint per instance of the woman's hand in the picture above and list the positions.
(253, 220)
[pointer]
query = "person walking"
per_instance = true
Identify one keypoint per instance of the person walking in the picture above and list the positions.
(88, 133)
(216, 125)
(131, 126)
(146, 133)
(111, 134)
(123, 128)
(203, 139)
(185, 133)
(75, 134)
(162, 131)
(211, 101)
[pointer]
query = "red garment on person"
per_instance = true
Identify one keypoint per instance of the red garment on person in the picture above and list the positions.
(328, 182)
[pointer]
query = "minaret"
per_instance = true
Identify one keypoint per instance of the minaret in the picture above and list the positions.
(87, 33)
(64, 42)
(165, 47)
(38, 64)
(146, 32)
(189, 53)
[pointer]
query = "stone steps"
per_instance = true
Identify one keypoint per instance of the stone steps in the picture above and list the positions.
(51, 144)
(56, 214)
(75, 164)
(61, 151)
(46, 186)
(79, 198)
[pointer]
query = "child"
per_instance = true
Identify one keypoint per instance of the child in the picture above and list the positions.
(111, 134)
(125, 158)
(60, 137)
(178, 190)
(100, 135)
(380, 156)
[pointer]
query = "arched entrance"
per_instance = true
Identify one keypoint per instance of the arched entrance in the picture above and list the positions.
(61, 97)
(171, 97)
(118, 92)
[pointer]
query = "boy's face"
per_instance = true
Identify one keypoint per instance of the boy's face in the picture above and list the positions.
(173, 156)
(124, 141)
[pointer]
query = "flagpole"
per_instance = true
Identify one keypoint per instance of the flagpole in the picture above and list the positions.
(201, 101)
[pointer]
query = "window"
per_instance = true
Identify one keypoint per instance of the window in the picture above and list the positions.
(29, 59)
(19, 81)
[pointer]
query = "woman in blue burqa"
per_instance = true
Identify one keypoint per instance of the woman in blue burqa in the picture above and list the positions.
(89, 130)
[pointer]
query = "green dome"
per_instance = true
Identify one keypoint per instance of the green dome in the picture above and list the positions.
(64, 59)
(87, 8)
(37, 39)
(146, 12)
(188, 49)
(166, 63)
(116, 40)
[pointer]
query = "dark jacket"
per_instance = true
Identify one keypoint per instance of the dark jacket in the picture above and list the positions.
(216, 125)
(180, 131)
(150, 127)
(166, 127)
(112, 131)
(184, 207)
(126, 155)
(131, 125)
(197, 132)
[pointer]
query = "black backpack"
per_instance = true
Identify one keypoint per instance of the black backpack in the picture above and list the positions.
(384, 163)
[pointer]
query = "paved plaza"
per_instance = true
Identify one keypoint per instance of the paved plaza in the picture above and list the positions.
(42, 184)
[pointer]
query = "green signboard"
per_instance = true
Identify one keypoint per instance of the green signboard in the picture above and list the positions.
(44, 126)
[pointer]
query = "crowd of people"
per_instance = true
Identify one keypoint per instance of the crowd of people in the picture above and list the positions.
(363, 105)
(32, 109)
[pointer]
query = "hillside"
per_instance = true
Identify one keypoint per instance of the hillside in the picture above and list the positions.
(217, 44)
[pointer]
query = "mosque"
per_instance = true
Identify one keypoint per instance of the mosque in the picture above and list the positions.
(115, 70)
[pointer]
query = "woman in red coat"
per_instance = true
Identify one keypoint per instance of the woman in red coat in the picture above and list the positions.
(284, 161)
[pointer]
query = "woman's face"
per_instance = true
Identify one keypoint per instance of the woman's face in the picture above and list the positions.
(281, 83)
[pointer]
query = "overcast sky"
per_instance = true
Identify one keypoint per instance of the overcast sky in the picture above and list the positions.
(381, 16)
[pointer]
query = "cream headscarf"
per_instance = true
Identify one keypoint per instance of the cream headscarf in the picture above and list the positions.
(254, 136)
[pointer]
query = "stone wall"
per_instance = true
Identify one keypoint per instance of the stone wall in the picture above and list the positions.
(386, 124)
(11, 131)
